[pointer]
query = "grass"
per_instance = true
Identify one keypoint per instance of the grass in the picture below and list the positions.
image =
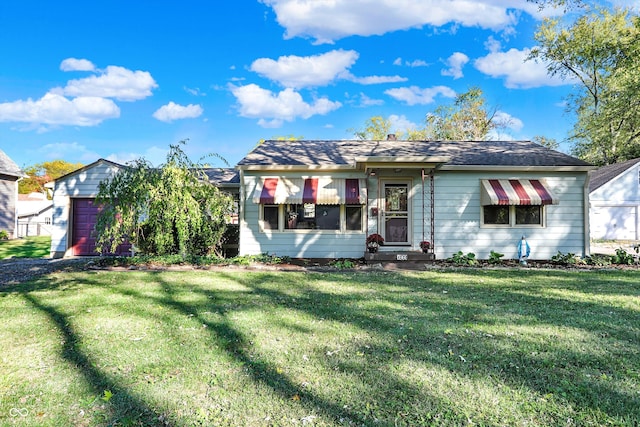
(27, 247)
(247, 348)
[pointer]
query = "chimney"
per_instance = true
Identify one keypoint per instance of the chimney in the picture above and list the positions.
(391, 137)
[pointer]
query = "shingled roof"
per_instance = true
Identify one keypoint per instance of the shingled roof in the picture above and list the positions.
(459, 153)
(8, 166)
(223, 176)
(607, 173)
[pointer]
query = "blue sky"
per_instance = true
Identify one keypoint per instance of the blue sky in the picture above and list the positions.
(124, 79)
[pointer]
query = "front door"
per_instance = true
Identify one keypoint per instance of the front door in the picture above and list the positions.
(396, 213)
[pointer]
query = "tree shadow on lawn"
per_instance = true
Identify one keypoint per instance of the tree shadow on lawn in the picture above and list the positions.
(446, 326)
(551, 368)
(124, 407)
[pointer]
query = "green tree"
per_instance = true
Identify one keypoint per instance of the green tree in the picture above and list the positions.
(600, 52)
(546, 142)
(376, 128)
(172, 209)
(42, 173)
(467, 118)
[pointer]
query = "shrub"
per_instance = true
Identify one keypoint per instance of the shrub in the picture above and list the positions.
(622, 257)
(459, 258)
(342, 264)
(495, 257)
(4, 235)
(566, 259)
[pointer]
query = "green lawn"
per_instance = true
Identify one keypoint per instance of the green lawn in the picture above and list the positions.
(27, 247)
(247, 348)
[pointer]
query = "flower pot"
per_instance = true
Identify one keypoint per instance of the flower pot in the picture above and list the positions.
(372, 249)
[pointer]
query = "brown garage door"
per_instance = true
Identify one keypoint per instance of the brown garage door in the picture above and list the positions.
(83, 240)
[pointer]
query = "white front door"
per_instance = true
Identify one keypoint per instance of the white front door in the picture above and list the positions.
(396, 212)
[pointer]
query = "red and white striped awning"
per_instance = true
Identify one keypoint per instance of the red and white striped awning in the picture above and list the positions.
(515, 192)
(320, 191)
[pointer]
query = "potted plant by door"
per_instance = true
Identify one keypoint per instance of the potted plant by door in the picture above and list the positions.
(425, 246)
(374, 241)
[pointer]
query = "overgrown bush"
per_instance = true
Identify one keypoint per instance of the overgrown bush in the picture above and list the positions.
(4, 235)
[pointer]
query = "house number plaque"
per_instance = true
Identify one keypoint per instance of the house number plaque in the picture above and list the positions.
(402, 257)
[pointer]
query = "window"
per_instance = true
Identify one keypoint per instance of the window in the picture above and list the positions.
(353, 218)
(510, 216)
(270, 217)
(309, 216)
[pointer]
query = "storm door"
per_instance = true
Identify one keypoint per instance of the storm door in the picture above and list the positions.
(396, 213)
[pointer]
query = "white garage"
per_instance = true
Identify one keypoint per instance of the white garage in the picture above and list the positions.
(614, 202)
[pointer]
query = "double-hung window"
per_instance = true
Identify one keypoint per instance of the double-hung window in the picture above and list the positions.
(514, 202)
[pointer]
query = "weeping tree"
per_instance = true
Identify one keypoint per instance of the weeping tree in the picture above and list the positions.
(171, 209)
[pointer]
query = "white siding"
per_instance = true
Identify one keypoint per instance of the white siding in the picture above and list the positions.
(81, 184)
(458, 222)
(614, 208)
(298, 243)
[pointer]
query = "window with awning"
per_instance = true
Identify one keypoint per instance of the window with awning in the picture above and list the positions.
(516, 192)
(319, 191)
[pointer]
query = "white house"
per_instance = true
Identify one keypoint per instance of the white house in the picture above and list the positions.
(10, 174)
(614, 200)
(321, 199)
(34, 214)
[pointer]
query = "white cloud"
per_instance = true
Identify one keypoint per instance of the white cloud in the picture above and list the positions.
(274, 108)
(455, 63)
(401, 123)
(374, 80)
(154, 155)
(114, 82)
(55, 109)
(194, 91)
(327, 21)
(413, 64)
(508, 121)
(366, 101)
(299, 72)
(415, 95)
(172, 111)
(306, 71)
(516, 71)
(73, 64)
(71, 151)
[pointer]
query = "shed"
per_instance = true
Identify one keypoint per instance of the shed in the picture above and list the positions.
(614, 201)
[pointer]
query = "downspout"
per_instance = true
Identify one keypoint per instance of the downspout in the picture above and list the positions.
(424, 214)
(241, 210)
(587, 222)
(433, 221)
(15, 210)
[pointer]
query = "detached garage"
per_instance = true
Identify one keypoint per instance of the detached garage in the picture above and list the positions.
(75, 211)
(614, 201)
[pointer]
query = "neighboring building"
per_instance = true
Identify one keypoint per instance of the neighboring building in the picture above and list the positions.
(10, 174)
(614, 200)
(75, 212)
(321, 199)
(34, 215)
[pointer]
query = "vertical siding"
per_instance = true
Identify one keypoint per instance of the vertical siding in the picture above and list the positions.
(8, 197)
(82, 184)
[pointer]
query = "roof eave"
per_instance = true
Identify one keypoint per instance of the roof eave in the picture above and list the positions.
(507, 168)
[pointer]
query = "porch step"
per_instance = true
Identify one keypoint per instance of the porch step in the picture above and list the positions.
(399, 256)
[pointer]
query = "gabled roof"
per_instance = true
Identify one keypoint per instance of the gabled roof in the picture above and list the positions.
(9, 167)
(606, 173)
(89, 166)
(223, 177)
(449, 153)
